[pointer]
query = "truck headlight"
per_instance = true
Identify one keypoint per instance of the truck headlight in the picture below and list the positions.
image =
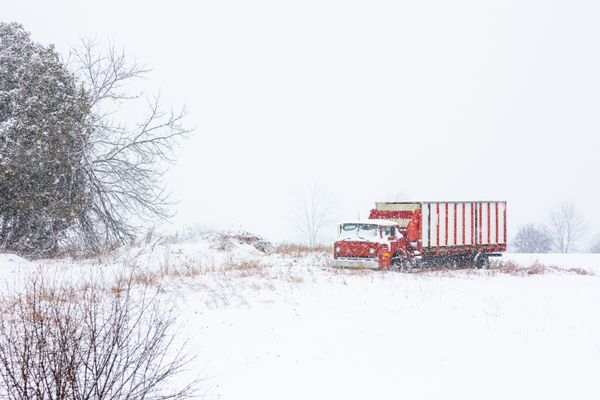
(337, 249)
(371, 251)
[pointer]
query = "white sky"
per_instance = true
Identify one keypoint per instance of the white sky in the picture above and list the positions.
(443, 100)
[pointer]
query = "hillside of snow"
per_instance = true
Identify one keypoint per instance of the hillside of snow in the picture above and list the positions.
(275, 323)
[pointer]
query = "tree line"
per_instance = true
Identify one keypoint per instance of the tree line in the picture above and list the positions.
(562, 232)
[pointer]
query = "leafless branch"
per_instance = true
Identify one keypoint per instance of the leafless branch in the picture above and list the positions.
(122, 165)
(67, 342)
(566, 226)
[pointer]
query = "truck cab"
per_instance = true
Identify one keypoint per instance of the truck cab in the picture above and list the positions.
(372, 243)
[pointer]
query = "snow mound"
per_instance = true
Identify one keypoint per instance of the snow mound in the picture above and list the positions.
(8, 260)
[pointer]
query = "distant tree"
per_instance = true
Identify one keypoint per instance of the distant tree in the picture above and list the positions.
(531, 239)
(314, 211)
(566, 226)
(595, 247)
(71, 170)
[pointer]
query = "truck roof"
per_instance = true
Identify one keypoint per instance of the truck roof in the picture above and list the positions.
(384, 222)
(420, 203)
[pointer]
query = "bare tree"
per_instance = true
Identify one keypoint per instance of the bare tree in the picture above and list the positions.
(566, 226)
(314, 211)
(122, 163)
(67, 342)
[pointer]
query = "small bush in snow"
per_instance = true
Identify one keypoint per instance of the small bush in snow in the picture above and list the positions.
(67, 342)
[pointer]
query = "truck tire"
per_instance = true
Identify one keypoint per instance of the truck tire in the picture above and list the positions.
(396, 262)
(402, 263)
(482, 261)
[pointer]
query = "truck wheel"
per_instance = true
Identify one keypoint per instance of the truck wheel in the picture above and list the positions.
(402, 263)
(396, 262)
(482, 261)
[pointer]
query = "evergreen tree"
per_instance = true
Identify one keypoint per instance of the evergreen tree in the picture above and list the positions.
(42, 144)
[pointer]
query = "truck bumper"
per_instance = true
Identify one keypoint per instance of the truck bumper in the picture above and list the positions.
(355, 263)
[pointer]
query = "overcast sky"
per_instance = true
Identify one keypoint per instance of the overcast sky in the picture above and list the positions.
(441, 100)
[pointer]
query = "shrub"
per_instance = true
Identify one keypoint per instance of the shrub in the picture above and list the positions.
(68, 342)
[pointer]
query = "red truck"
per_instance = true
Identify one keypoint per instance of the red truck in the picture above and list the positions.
(408, 234)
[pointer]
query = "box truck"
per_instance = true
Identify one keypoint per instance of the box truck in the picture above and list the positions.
(409, 234)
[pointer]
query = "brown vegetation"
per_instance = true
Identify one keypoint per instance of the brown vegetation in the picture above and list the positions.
(64, 341)
(297, 249)
(537, 268)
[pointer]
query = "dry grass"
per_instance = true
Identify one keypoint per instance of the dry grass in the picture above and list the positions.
(188, 269)
(145, 278)
(352, 271)
(500, 267)
(537, 268)
(297, 249)
(166, 270)
(296, 279)
(242, 266)
(246, 269)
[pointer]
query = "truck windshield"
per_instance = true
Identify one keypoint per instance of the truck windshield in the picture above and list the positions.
(360, 231)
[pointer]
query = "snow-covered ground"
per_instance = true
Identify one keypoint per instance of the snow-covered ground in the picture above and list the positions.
(590, 262)
(286, 325)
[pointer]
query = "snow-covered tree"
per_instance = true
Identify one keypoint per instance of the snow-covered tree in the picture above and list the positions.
(531, 239)
(43, 138)
(70, 170)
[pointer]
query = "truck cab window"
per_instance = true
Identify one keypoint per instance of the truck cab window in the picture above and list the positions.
(387, 231)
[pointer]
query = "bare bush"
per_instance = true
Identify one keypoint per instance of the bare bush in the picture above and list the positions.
(67, 342)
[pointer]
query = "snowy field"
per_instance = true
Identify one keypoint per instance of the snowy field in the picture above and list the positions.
(283, 324)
